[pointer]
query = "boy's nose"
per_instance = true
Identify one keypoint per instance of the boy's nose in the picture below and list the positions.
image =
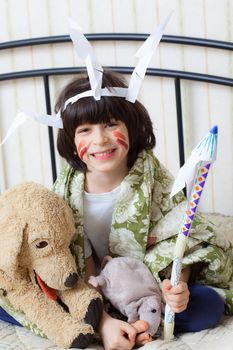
(101, 138)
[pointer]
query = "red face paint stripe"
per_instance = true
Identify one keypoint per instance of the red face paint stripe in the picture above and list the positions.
(80, 146)
(119, 135)
(122, 143)
(82, 152)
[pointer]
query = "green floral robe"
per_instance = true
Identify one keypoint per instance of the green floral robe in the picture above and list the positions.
(144, 209)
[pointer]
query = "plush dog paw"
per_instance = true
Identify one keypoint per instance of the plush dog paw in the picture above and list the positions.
(94, 313)
(82, 341)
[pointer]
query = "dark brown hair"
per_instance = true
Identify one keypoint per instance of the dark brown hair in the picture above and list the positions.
(88, 110)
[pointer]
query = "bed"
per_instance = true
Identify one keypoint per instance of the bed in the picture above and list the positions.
(18, 338)
(221, 337)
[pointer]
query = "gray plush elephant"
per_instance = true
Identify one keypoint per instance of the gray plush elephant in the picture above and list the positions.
(130, 287)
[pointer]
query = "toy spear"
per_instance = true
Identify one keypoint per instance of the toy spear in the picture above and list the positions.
(193, 174)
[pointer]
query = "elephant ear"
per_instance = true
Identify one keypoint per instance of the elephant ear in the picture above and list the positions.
(96, 281)
(11, 238)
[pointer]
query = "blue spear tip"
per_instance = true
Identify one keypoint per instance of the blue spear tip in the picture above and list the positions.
(214, 130)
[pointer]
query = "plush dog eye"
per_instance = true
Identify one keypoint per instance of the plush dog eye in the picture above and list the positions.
(42, 244)
(154, 311)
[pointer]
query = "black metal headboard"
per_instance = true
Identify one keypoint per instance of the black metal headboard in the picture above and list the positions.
(174, 74)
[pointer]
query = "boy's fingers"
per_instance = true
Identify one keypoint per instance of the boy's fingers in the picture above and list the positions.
(166, 285)
(181, 287)
(177, 297)
(140, 326)
(143, 338)
(177, 303)
(130, 331)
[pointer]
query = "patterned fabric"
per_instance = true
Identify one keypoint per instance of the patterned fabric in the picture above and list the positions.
(144, 209)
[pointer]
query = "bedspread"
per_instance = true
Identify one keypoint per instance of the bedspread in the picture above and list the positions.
(221, 337)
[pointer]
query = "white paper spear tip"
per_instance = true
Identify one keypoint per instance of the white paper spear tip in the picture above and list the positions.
(206, 150)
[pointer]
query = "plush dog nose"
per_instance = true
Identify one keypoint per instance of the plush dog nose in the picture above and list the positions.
(71, 280)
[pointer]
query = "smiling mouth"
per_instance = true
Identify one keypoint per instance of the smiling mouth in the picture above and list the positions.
(103, 154)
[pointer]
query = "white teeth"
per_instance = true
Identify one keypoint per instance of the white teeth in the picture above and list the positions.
(99, 154)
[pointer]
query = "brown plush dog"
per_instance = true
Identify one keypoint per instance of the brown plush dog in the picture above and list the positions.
(37, 269)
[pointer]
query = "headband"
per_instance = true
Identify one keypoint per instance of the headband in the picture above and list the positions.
(95, 73)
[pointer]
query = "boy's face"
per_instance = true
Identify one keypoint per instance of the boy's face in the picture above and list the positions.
(103, 147)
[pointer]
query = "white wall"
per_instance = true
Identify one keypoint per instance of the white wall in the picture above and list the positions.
(26, 154)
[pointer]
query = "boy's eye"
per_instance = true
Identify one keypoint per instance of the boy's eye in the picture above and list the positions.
(81, 131)
(111, 124)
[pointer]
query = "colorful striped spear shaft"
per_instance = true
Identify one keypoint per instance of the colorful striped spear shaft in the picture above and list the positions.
(201, 170)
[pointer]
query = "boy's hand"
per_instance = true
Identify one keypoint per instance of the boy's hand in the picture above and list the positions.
(142, 336)
(116, 334)
(176, 297)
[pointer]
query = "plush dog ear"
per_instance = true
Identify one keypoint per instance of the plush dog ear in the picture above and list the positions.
(11, 238)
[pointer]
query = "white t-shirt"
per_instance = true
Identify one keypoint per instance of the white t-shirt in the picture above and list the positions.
(97, 213)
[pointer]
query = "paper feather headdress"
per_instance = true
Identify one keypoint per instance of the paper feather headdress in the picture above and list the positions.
(95, 74)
